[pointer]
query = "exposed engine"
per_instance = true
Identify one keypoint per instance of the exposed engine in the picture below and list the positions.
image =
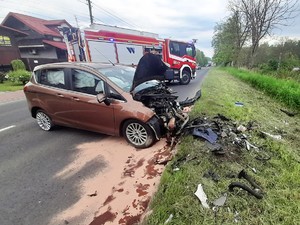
(162, 101)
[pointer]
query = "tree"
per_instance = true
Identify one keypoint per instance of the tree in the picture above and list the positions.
(229, 38)
(200, 58)
(262, 16)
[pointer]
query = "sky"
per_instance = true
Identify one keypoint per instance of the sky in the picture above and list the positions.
(177, 19)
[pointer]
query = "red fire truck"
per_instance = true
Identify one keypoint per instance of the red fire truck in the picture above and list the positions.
(104, 43)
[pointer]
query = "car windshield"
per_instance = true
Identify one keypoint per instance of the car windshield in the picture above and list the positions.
(123, 76)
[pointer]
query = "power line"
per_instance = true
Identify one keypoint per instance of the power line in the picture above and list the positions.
(114, 16)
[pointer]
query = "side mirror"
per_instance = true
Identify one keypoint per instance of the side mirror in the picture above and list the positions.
(101, 97)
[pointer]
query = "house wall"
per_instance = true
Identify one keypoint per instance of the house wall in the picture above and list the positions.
(8, 53)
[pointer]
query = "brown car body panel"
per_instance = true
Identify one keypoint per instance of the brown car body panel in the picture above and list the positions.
(81, 110)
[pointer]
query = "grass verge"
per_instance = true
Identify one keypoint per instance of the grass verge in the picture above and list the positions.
(287, 91)
(10, 86)
(278, 177)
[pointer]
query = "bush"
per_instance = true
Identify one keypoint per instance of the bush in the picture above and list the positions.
(19, 76)
(18, 64)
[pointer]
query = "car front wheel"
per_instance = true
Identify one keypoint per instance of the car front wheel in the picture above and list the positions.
(43, 120)
(138, 134)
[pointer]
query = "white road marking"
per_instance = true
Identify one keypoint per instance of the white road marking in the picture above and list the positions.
(6, 128)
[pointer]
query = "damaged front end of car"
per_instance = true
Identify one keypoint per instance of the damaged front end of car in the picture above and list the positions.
(159, 98)
(148, 87)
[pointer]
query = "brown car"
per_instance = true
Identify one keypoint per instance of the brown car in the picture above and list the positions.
(96, 97)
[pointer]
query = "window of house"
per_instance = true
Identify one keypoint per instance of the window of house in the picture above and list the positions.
(5, 41)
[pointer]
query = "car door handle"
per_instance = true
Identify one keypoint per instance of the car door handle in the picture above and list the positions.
(60, 95)
(75, 99)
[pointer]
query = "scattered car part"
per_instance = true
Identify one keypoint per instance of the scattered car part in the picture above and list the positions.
(190, 101)
(207, 134)
(201, 196)
(241, 128)
(169, 219)
(249, 145)
(288, 113)
(240, 104)
(246, 188)
(255, 192)
(243, 174)
(93, 195)
(214, 176)
(276, 137)
(220, 201)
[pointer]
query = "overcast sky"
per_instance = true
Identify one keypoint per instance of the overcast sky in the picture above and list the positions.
(177, 19)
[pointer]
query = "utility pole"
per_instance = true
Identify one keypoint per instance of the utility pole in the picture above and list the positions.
(90, 10)
(76, 21)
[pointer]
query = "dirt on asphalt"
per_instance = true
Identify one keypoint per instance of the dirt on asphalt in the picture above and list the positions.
(121, 193)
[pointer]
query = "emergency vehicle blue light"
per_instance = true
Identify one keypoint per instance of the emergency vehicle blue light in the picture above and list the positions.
(111, 39)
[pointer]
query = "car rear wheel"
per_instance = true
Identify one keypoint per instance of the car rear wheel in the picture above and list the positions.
(138, 134)
(43, 120)
(186, 77)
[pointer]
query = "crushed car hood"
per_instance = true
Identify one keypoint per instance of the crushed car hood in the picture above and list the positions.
(150, 67)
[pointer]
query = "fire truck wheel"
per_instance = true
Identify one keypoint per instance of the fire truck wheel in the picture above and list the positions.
(186, 77)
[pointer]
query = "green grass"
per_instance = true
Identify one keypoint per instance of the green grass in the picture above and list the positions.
(278, 177)
(10, 86)
(287, 91)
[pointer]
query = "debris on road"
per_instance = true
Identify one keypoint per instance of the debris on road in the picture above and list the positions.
(201, 196)
(93, 195)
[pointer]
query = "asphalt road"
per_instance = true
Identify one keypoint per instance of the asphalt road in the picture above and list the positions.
(30, 193)
(189, 91)
(29, 160)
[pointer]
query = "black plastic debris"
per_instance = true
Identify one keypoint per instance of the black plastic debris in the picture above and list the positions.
(190, 101)
(211, 174)
(255, 190)
(240, 104)
(291, 114)
(207, 134)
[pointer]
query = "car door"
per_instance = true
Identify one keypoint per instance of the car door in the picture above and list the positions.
(53, 94)
(88, 113)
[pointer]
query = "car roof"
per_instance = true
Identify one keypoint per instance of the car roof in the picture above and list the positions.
(75, 64)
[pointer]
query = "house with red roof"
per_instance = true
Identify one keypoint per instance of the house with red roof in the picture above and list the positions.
(8, 46)
(39, 41)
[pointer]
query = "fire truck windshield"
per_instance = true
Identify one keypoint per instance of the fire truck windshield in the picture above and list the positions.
(181, 49)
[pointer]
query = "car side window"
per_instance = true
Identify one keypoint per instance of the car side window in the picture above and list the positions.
(52, 77)
(86, 82)
(112, 93)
